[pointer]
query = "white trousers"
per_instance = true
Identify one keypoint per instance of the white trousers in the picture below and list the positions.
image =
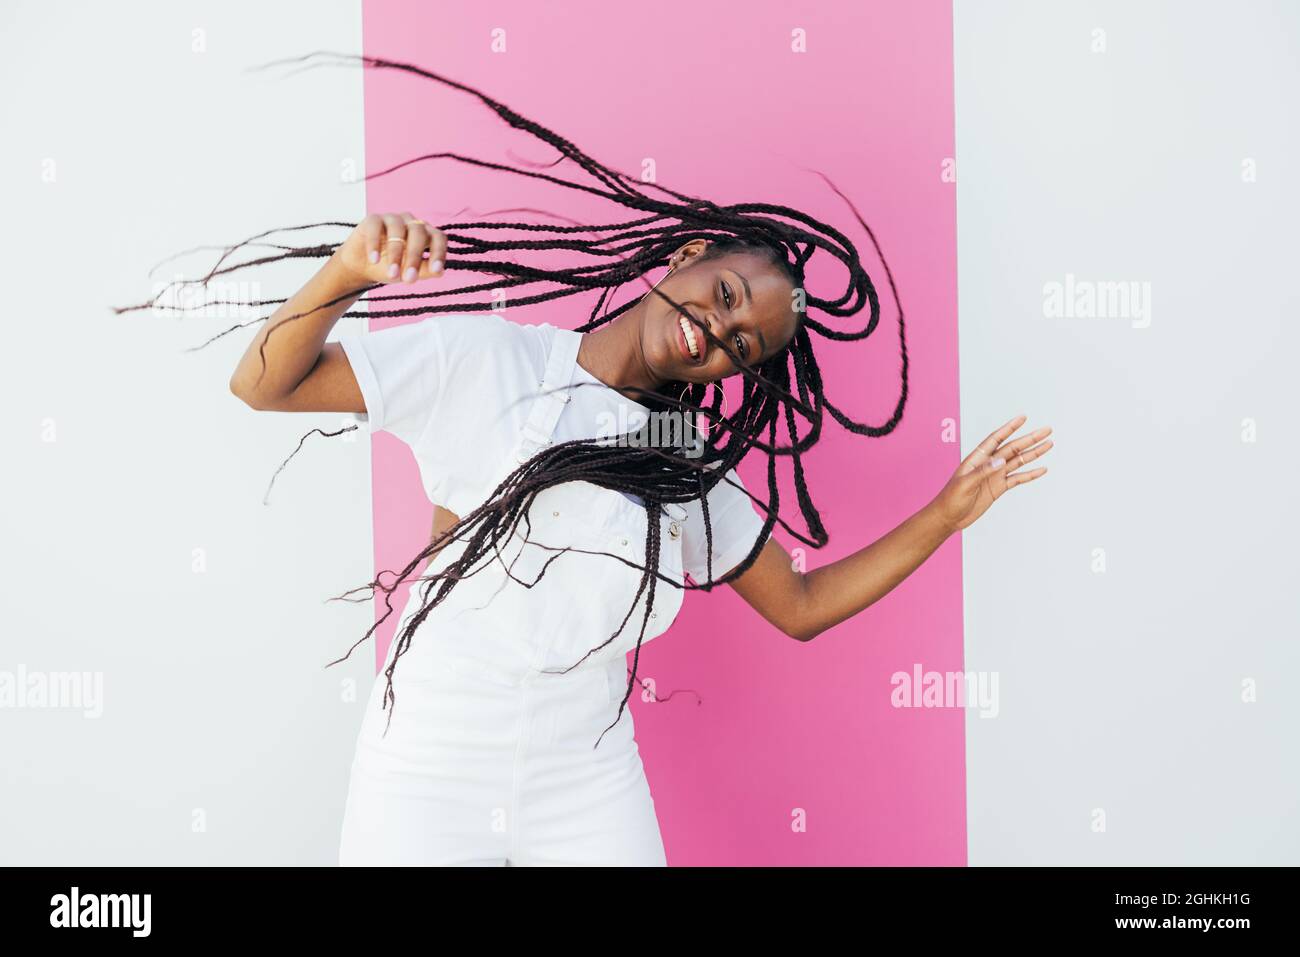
(479, 767)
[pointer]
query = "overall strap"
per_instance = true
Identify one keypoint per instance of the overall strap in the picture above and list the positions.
(555, 394)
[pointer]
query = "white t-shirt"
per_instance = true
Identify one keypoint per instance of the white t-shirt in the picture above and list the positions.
(456, 388)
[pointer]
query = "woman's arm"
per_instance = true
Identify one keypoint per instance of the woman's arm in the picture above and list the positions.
(803, 605)
(303, 373)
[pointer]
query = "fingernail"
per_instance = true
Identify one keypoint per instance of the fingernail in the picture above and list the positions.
(425, 254)
(392, 271)
(435, 266)
(374, 255)
(410, 274)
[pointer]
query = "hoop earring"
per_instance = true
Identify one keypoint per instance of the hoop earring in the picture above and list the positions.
(726, 409)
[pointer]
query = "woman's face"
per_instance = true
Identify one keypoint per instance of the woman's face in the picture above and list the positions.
(742, 298)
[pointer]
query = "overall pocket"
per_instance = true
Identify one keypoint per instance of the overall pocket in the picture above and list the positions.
(596, 581)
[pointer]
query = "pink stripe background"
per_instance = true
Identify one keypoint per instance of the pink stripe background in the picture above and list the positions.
(765, 731)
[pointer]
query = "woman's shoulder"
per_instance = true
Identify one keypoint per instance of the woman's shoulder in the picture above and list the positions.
(477, 325)
(484, 344)
(734, 525)
(731, 508)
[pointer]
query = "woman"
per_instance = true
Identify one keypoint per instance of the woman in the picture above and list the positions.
(553, 530)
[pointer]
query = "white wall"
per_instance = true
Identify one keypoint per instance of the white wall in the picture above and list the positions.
(1121, 691)
(124, 454)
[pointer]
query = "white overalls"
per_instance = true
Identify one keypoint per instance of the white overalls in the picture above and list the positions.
(489, 760)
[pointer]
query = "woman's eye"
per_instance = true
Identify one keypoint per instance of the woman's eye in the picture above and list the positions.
(726, 295)
(740, 344)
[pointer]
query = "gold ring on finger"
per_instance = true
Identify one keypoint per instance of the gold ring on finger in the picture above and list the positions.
(397, 240)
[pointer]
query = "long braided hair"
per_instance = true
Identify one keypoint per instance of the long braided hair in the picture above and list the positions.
(783, 404)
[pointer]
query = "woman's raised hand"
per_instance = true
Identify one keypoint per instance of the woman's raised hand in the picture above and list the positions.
(989, 471)
(393, 247)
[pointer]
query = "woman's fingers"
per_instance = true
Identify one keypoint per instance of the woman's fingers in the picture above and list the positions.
(996, 437)
(1028, 455)
(417, 238)
(436, 254)
(1011, 449)
(984, 451)
(403, 247)
(1019, 478)
(372, 234)
(1014, 458)
(394, 245)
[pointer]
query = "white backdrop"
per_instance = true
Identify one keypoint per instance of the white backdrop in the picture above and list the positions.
(137, 548)
(1138, 602)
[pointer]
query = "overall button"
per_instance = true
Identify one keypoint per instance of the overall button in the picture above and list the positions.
(674, 530)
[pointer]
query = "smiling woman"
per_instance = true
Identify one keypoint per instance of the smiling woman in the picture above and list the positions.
(711, 295)
(553, 538)
(708, 299)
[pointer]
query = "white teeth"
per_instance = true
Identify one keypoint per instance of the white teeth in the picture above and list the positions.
(690, 337)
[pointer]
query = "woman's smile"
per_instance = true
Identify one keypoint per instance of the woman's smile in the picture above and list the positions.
(694, 346)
